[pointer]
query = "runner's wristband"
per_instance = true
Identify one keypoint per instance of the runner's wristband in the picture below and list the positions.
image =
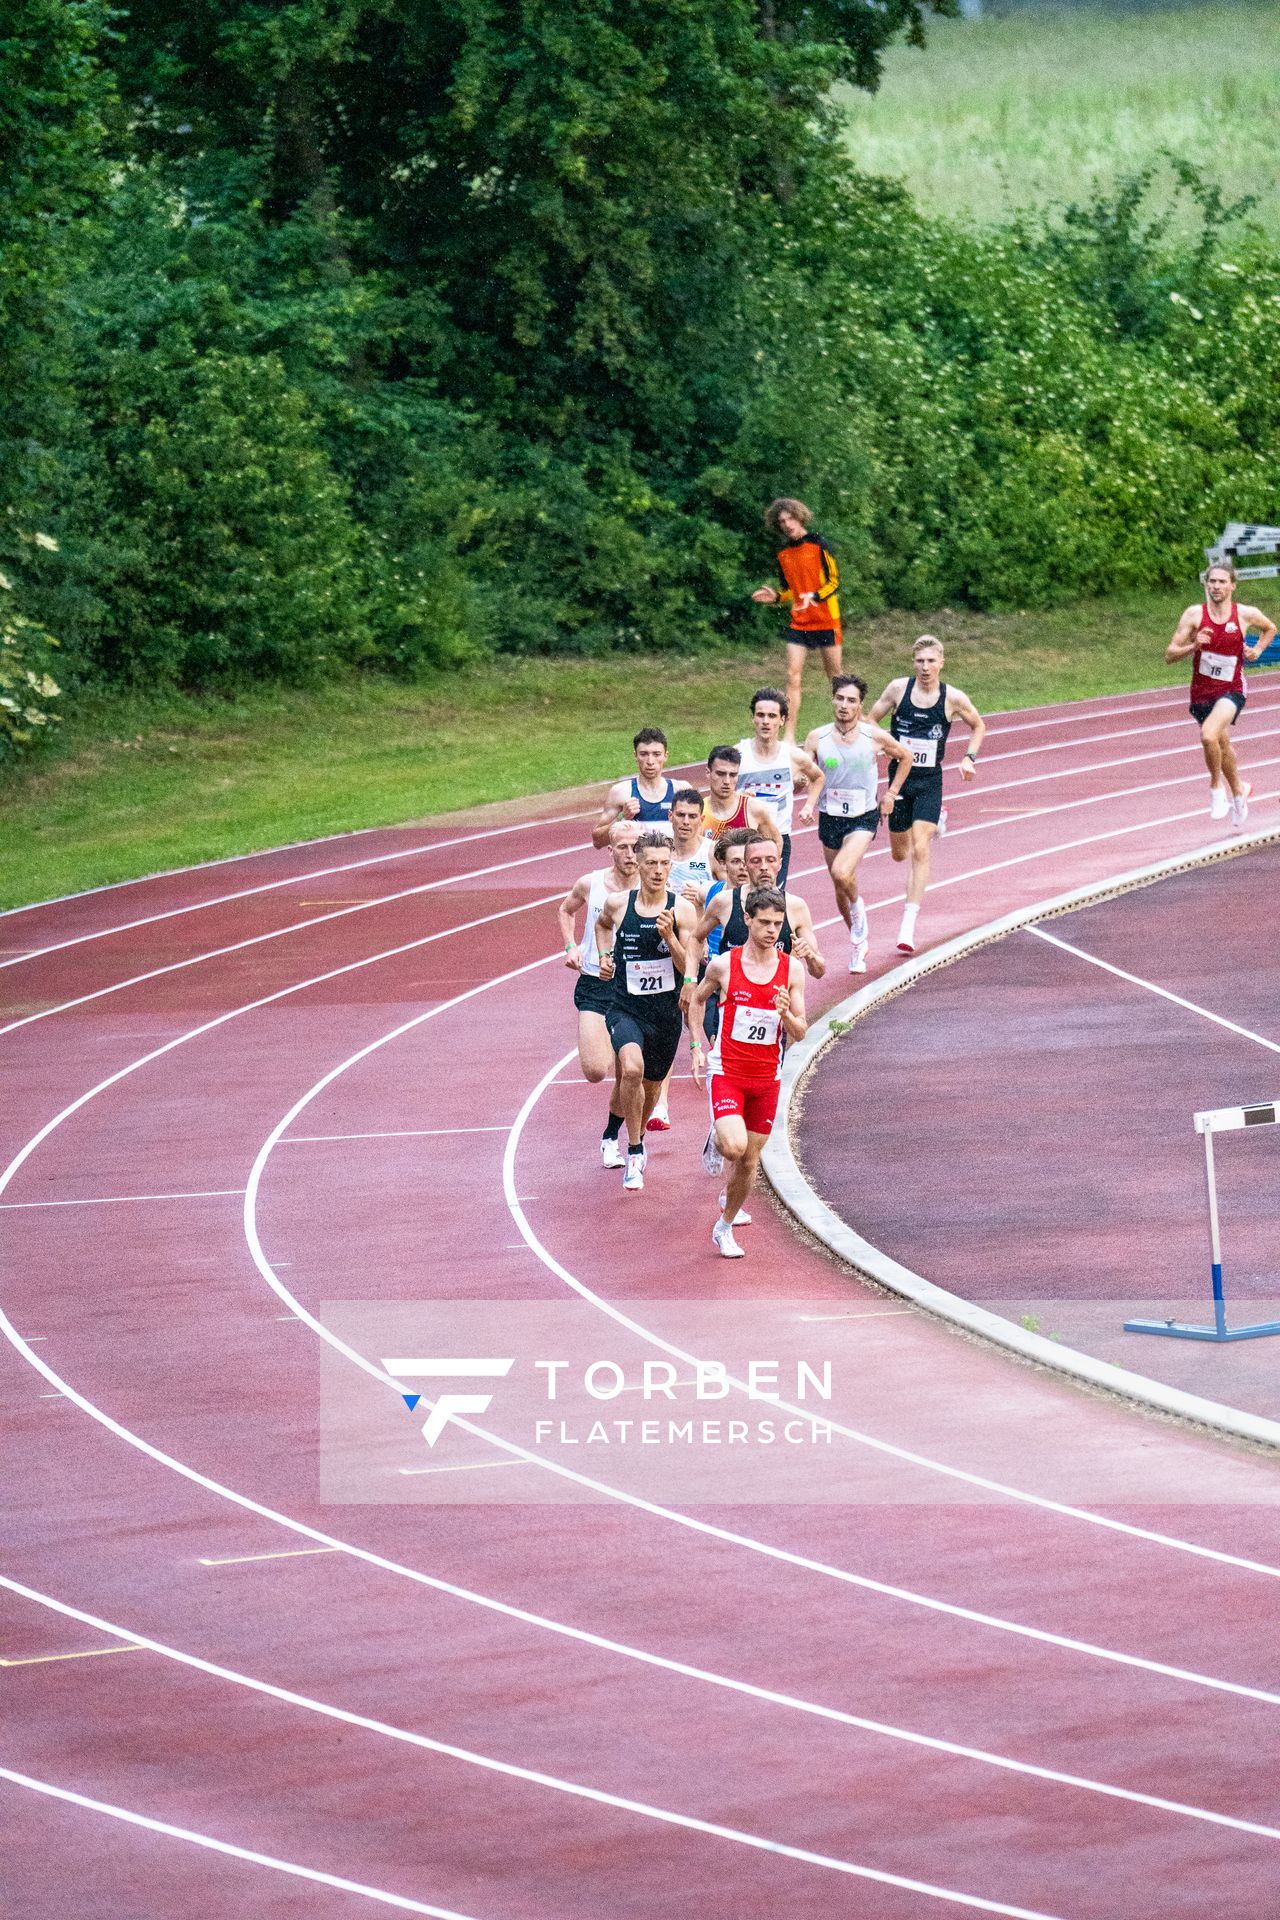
(973, 757)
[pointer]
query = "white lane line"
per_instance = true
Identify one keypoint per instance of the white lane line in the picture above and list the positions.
(398, 1133)
(299, 879)
(289, 1553)
(576, 1789)
(121, 1199)
(85, 1653)
(465, 1466)
(227, 1847)
(1120, 733)
(326, 1709)
(279, 933)
(1135, 980)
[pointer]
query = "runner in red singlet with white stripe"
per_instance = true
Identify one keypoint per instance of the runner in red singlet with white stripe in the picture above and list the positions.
(761, 999)
(1213, 632)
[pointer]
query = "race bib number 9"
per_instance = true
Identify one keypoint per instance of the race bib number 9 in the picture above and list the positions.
(755, 1026)
(651, 976)
(848, 802)
(924, 753)
(1218, 666)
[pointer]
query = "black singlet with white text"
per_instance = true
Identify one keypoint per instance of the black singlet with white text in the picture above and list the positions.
(643, 965)
(735, 932)
(924, 729)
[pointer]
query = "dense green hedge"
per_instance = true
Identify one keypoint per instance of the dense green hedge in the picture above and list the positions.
(353, 336)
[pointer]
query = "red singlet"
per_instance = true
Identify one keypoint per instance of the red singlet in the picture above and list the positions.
(1218, 668)
(712, 824)
(749, 1042)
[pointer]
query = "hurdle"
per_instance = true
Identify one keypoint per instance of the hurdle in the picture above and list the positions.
(1262, 1113)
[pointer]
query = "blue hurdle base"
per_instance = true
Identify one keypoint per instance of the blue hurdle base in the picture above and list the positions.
(1180, 1330)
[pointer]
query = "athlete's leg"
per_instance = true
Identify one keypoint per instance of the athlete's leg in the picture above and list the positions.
(831, 855)
(1216, 733)
(595, 1050)
(654, 1091)
(796, 657)
(900, 845)
(922, 832)
(742, 1174)
(844, 868)
(733, 1140)
(831, 657)
(631, 1091)
(660, 1115)
(1211, 744)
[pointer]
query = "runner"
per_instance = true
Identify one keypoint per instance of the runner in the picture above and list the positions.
(692, 854)
(731, 871)
(725, 809)
(761, 993)
(1213, 630)
(727, 912)
(770, 766)
(645, 795)
(924, 707)
(591, 995)
(848, 816)
(641, 936)
(810, 586)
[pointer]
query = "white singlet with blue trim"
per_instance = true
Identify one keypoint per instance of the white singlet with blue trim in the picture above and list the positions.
(695, 868)
(596, 897)
(772, 781)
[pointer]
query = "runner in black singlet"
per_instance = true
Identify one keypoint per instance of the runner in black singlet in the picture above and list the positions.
(923, 707)
(642, 938)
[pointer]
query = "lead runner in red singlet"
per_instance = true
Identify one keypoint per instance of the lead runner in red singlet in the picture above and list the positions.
(1213, 633)
(761, 998)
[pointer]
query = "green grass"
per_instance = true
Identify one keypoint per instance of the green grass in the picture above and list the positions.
(134, 786)
(1024, 107)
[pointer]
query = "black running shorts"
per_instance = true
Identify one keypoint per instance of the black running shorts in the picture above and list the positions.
(834, 828)
(1201, 709)
(920, 799)
(591, 994)
(658, 1043)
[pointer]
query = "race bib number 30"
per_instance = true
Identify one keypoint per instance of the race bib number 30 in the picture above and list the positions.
(847, 802)
(1218, 666)
(755, 1026)
(651, 976)
(924, 753)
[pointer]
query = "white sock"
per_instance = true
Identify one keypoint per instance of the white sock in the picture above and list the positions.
(858, 919)
(909, 913)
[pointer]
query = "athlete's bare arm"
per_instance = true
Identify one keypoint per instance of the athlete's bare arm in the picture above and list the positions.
(789, 1001)
(1186, 636)
(962, 707)
(610, 914)
(804, 941)
(899, 756)
(676, 925)
(621, 804)
(568, 910)
(804, 764)
(760, 820)
(1253, 620)
(888, 700)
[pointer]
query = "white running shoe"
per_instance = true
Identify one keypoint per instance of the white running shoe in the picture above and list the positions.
(611, 1153)
(633, 1177)
(1219, 803)
(741, 1218)
(725, 1244)
(943, 817)
(1240, 804)
(858, 956)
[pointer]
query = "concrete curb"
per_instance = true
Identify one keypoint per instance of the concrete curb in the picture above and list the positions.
(790, 1183)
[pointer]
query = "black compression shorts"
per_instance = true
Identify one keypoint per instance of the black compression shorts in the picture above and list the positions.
(658, 1043)
(834, 828)
(920, 799)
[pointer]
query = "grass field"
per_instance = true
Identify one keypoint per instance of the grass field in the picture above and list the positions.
(139, 786)
(1030, 105)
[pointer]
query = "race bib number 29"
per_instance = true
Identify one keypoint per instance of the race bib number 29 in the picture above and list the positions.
(755, 1026)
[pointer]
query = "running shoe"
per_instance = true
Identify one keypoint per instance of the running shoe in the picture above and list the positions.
(1240, 804)
(741, 1218)
(943, 817)
(1219, 803)
(712, 1158)
(858, 956)
(906, 944)
(724, 1242)
(610, 1153)
(658, 1123)
(633, 1178)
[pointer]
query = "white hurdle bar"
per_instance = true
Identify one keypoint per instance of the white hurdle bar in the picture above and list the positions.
(1259, 1113)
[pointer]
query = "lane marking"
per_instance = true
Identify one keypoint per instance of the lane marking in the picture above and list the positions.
(1134, 980)
(227, 1847)
(289, 1553)
(121, 1199)
(398, 1133)
(288, 1697)
(88, 1653)
(467, 1466)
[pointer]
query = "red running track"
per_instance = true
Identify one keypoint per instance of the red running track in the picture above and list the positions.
(1026, 1667)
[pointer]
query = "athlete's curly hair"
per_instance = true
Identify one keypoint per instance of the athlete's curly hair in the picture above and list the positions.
(776, 508)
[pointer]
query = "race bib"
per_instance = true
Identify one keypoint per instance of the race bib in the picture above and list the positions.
(924, 753)
(1218, 666)
(755, 1026)
(651, 976)
(846, 802)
